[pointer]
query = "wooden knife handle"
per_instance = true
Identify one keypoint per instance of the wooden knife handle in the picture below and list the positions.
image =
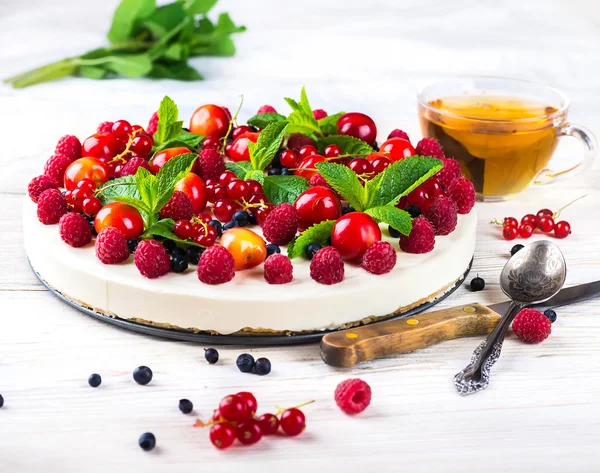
(349, 347)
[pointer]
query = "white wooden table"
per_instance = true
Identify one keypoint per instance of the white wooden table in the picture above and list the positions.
(541, 412)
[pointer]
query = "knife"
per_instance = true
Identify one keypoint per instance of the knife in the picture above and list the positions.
(347, 348)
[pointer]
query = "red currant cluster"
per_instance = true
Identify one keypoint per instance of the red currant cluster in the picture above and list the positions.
(423, 196)
(197, 229)
(236, 418)
(83, 199)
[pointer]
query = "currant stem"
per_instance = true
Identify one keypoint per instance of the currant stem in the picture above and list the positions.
(556, 214)
(231, 122)
(281, 410)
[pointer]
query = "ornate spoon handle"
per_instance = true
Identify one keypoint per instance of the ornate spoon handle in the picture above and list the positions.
(476, 376)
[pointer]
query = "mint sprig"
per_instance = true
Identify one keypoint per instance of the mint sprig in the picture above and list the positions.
(302, 120)
(240, 168)
(284, 189)
(262, 120)
(318, 233)
(164, 228)
(169, 132)
(393, 216)
(344, 181)
(328, 124)
(263, 151)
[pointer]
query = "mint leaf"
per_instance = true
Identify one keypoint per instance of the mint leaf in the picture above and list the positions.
(318, 233)
(164, 228)
(256, 175)
(122, 186)
(295, 106)
(183, 139)
(262, 120)
(304, 104)
(92, 72)
(328, 125)
(168, 126)
(197, 7)
(137, 203)
(303, 123)
(126, 15)
(284, 189)
(402, 177)
(393, 216)
(269, 141)
(345, 182)
(171, 173)
(348, 144)
(240, 168)
(147, 186)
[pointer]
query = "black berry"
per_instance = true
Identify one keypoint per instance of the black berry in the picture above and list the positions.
(286, 172)
(132, 244)
(147, 441)
(169, 245)
(1, 400)
(193, 254)
(477, 284)
(393, 232)
(229, 225)
(245, 362)
(413, 211)
(211, 355)
(551, 315)
(95, 380)
(185, 406)
(272, 248)
(375, 146)
(142, 375)
(515, 249)
(218, 226)
(241, 218)
(274, 172)
(312, 249)
(262, 366)
(179, 264)
(347, 209)
(178, 253)
(252, 219)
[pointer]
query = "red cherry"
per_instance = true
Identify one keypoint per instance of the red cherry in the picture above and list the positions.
(98, 145)
(306, 167)
(528, 219)
(142, 145)
(86, 169)
(240, 130)
(160, 158)
(332, 151)
(123, 217)
(233, 408)
(288, 159)
(254, 186)
(510, 232)
(307, 151)
(397, 149)
(224, 210)
(293, 421)
(418, 197)
(226, 178)
(210, 192)
(210, 120)
(193, 186)
(361, 166)
(228, 149)
(183, 229)
(317, 204)
(248, 431)
(269, 424)
(239, 148)
(510, 222)
(525, 230)
(211, 142)
(250, 401)
(87, 184)
(353, 234)
(379, 162)
(91, 206)
(222, 435)
(220, 192)
(238, 189)
(545, 224)
(358, 125)
(562, 229)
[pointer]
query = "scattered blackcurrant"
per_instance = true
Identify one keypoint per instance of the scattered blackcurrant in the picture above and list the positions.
(1, 400)
(211, 355)
(178, 252)
(179, 264)
(393, 232)
(551, 315)
(147, 441)
(515, 249)
(413, 210)
(169, 245)
(274, 172)
(347, 209)
(477, 284)
(185, 406)
(272, 248)
(132, 244)
(245, 362)
(312, 249)
(142, 375)
(241, 218)
(262, 366)
(286, 172)
(95, 380)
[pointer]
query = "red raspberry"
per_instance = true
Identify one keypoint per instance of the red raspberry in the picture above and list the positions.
(281, 224)
(105, 127)
(327, 266)
(442, 215)
(429, 147)
(318, 180)
(397, 133)
(69, 146)
(132, 166)
(421, 238)
(38, 185)
(75, 230)
(380, 258)
(111, 246)
(353, 396)
(51, 206)
(449, 173)
(151, 259)
(266, 109)
(278, 269)
(297, 140)
(462, 192)
(532, 326)
(216, 265)
(55, 168)
(152, 124)
(319, 113)
(178, 208)
(210, 164)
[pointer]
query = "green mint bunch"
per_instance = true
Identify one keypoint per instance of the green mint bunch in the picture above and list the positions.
(147, 40)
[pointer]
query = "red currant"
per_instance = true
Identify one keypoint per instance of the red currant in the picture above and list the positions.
(233, 408)
(510, 232)
(525, 230)
(121, 129)
(91, 206)
(433, 188)
(544, 213)
(86, 184)
(293, 421)
(359, 126)
(220, 192)
(204, 235)
(562, 229)
(262, 213)
(250, 401)
(380, 163)
(248, 431)
(288, 159)
(332, 151)
(183, 229)
(228, 148)
(240, 130)
(361, 166)
(222, 435)
(258, 198)
(510, 222)
(226, 178)
(142, 145)
(204, 217)
(238, 189)
(528, 219)
(307, 151)
(210, 192)
(545, 223)
(306, 167)
(254, 186)
(224, 210)
(269, 424)
(137, 129)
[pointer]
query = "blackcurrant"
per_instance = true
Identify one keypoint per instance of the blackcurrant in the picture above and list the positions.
(262, 366)
(312, 249)
(274, 172)
(252, 219)
(515, 249)
(132, 244)
(169, 245)
(393, 232)
(185, 406)
(413, 210)
(218, 226)
(178, 253)
(477, 284)
(245, 362)
(95, 380)
(211, 355)
(147, 441)
(1, 400)
(272, 248)
(229, 225)
(179, 264)
(193, 254)
(551, 315)
(142, 375)
(286, 172)
(241, 218)
(347, 209)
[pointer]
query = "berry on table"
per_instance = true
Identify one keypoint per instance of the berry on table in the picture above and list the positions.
(551, 315)
(443, 215)
(562, 229)
(319, 113)
(210, 120)
(142, 375)
(380, 258)
(194, 188)
(477, 284)
(327, 266)
(262, 366)
(169, 245)
(397, 149)
(532, 326)
(272, 248)
(123, 217)
(152, 259)
(297, 140)
(544, 213)
(266, 109)
(248, 431)
(245, 362)
(216, 266)
(317, 204)
(241, 217)
(515, 249)
(222, 435)
(211, 355)
(51, 206)
(269, 424)
(160, 158)
(421, 239)
(510, 222)
(95, 380)
(105, 127)
(525, 230)
(306, 167)
(132, 244)
(74, 230)
(210, 164)
(529, 219)
(210, 142)
(393, 232)
(312, 249)
(278, 269)
(293, 421)
(233, 408)
(193, 254)
(91, 206)
(152, 124)
(240, 130)
(414, 211)
(545, 224)
(250, 400)
(306, 151)
(353, 396)
(510, 232)
(281, 224)
(186, 406)
(132, 166)
(147, 441)
(179, 263)
(111, 246)
(224, 209)
(332, 151)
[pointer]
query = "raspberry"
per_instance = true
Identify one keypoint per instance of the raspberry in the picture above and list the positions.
(397, 133)
(51, 206)
(532, 326)
(210, 164)
(442, 215)
(319, 113)
(380, 258)
(429, 147)
(462, 192)
(327, 266)
(278, 269)
(152, 124)
(75, 230)
(216, 265)
(179, 207)
(111, 246)
(353, 396)
(297, 140)
(69, 146)
(152, 259)
(266, 109)
(132, 166)
(105, 127)
(421, 238)
(55, 168)
(38, 185)
(449, 172)
(281, 224)
(318, 180)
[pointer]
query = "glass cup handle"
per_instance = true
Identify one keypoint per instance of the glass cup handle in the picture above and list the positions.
(590, 145)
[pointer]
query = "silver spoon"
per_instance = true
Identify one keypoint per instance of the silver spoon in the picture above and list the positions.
(534, 274)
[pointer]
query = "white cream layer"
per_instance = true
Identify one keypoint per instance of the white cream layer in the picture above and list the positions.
(247, 301)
